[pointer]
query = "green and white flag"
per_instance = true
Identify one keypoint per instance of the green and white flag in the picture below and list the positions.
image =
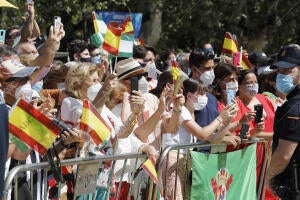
(224, 176)
(126, 45)
(100, 30)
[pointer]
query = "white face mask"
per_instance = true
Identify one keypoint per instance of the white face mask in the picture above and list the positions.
(202, 102)
(143, 85)
(2, 101)
(93, 90)
(251, 89)
(25, 91)
(152, 71)
(232, 86)
(207, 77)
(60, 85)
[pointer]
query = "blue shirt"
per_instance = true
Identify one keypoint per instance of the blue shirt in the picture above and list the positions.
(209, 112)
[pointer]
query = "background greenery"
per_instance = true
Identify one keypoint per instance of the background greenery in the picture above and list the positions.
(180, 24)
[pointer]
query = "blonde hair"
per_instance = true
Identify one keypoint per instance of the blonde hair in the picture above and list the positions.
(76, 77)
(116, 94)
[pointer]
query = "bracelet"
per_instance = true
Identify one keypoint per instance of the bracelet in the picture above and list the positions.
(176, 111)
(219, 120)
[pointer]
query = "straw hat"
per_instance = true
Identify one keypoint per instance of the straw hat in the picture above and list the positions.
(128, 68)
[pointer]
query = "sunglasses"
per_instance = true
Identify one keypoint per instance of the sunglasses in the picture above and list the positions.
(208, 53)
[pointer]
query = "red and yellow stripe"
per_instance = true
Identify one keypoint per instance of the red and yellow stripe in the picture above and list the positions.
(149, 167)
(230, 45)
(32, 127)
(127, 26)
(112, 39)
(92, 123)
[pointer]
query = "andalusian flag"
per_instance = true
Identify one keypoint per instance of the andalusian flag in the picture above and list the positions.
(32, 127)
(92, 123)
(112, 39)
(230, 46)
(127, 39)
(100, 27)
(177, 76)
(224, 176)
(149, 167)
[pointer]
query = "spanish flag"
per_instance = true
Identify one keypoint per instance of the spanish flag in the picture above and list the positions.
(92, 123)
(149, 167)
(112, 39)
(127, 26)
(177, 77)
(230, 46)
(33, 127)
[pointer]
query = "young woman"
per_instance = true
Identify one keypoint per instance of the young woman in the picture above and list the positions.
(187, 131)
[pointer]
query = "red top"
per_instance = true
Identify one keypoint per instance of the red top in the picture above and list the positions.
(242, 109)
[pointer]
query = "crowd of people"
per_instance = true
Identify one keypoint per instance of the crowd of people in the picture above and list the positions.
(135, 97)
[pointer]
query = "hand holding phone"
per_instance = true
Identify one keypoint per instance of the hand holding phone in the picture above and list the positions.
(244, 130)
(259, 112)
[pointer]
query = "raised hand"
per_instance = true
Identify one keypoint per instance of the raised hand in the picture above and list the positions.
(136, 102)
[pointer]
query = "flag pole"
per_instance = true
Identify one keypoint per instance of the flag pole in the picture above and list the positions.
(115, 64)
(110, 65)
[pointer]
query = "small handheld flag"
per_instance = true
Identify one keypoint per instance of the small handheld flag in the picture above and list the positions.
(112, 39)
(33, 127)
(92, 123)
(230, 46)
(177, 77)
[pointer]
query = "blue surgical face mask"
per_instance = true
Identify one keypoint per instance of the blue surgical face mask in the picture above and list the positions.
(284, 83)
(96, 60)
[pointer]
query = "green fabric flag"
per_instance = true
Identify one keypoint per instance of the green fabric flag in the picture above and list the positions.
(224, 176)
(126, 45)
(19, 143)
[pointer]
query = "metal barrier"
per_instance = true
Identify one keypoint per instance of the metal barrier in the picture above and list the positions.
(174, 162)
(13, 173)
(181, 159)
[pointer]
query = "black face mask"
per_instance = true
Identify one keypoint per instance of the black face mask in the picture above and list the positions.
(88, 59)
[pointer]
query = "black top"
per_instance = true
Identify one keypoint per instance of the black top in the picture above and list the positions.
(3, 143)
(287, 122)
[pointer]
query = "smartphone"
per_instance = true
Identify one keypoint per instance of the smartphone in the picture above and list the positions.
(29, 2)
(244, 130)
(230, 96)
(236, 59)
(57, 21)
(40, 41)
(2, 36)
(259, 111)
(134, 83)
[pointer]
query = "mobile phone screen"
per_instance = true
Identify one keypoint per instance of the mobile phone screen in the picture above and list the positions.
(134, 83)
(57, 21)
(230, 96)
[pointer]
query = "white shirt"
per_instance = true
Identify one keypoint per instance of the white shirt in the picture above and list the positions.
(182, 136)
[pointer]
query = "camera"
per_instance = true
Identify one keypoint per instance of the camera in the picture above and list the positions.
(62, 125)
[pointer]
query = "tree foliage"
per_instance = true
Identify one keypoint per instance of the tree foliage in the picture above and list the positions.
(180, 24)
